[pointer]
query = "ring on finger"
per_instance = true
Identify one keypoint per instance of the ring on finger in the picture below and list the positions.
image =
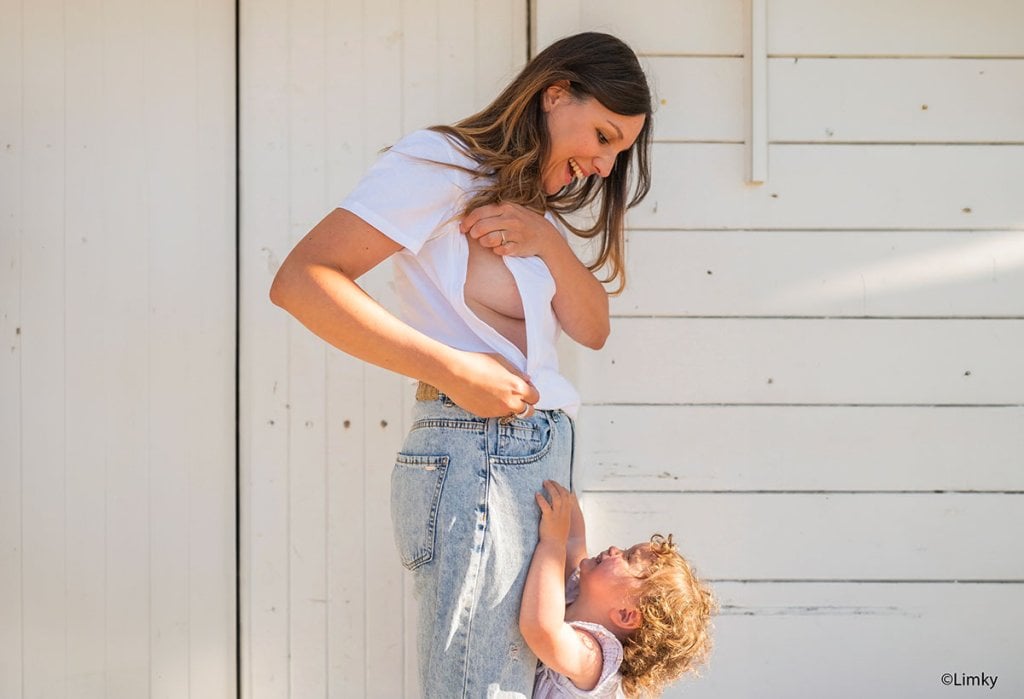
(503, 240)
(523, 413)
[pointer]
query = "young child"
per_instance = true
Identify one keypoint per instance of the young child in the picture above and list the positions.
(623, 623)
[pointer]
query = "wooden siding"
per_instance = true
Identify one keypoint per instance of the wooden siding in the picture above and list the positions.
(814, 383)
(326, 85)
(116, 375)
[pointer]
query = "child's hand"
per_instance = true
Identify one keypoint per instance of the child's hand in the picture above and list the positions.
(556, 516)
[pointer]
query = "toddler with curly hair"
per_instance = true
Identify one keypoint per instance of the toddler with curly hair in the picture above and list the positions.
(620, 624)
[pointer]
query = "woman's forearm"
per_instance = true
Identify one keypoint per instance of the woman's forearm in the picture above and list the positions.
(580, 302)
(336, 309)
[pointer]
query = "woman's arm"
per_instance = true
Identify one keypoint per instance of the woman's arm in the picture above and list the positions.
(580, 302)
(567, 651)
(316, 285)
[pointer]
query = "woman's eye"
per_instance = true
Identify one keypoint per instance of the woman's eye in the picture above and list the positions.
(601, 139)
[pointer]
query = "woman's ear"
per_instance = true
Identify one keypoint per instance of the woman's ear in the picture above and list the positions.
(555, 93)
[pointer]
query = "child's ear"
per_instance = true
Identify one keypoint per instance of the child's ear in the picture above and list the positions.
(627, 618)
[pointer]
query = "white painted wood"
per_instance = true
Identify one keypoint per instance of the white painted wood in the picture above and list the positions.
(11, 156)
(819, 186)
(822, 536)
(926, 237)
(836, 640)
(924, 100)
(550, 21)
(797, 361)
(842, 100)
(907, 28)
(263, 363)
(803, 27)
(121, 407)
(347, 555)
(43, 481)
(127, 470)
(682, 27)
(824, 273)
(819, 448)
(212, 585)
(85, 253)
(326, 605)
(757, 58)
(382, 398)
(307, 493)
(698, 99)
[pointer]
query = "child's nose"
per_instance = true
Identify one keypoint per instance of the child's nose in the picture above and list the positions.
(615, 550)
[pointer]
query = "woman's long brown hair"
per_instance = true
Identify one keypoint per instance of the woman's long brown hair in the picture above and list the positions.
(509, 141)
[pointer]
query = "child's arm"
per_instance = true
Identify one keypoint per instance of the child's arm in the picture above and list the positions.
(576, 544)
(562, 648)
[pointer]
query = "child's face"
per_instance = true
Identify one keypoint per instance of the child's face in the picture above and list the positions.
(615, 572)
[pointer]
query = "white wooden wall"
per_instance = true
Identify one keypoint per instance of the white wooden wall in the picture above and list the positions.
(325, 85)
(816, 383)
(117, 314)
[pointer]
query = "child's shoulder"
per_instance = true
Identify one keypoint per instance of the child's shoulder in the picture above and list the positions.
(550, 684)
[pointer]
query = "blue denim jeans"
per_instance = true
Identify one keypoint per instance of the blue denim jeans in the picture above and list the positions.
(465, 522)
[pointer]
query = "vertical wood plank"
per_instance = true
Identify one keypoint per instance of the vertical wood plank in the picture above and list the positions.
(170, 105)
(346, 554)
(382, 403)
(126, 296)
(11, 147)
(307, 603)
(43, 301)
(264, 364)
(212, 483)
(85, 394)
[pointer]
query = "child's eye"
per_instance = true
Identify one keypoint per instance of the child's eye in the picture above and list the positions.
(601, 139)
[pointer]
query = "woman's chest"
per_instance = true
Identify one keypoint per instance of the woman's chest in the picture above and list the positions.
(490, 284)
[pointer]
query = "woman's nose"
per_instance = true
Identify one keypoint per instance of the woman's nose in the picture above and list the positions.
(603, 166)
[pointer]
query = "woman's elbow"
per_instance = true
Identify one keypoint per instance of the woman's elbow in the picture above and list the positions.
(283, 284)
(598, 342)
(595, 340)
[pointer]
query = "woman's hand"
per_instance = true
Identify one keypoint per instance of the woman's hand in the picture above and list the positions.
(488, 385)
(510, 229)
(580, 301)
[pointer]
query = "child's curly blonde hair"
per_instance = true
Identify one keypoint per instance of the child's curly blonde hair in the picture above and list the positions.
(674, 636)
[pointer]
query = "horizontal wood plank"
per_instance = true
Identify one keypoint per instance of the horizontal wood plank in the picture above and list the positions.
(823, 536)
(918, 101)
(686, 448)
(824, 273)
(832, 100)
(808, 27)
(916, 362)
(699, 98)
(825, 186)
(837, 640)
(705, 27)
(906, 28)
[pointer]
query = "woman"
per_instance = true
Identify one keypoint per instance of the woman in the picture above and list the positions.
(470, 214)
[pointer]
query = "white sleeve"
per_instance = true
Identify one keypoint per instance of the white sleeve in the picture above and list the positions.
(411, 192)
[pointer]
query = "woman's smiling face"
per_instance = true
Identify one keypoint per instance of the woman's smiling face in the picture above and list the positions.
(585, 137)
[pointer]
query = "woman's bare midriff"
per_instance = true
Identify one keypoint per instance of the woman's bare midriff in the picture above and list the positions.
(491, 293)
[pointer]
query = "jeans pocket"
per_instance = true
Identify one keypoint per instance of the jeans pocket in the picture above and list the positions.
(523, 441)
(416, 484)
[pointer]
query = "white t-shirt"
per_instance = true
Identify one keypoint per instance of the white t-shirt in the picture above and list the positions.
(417, 203)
